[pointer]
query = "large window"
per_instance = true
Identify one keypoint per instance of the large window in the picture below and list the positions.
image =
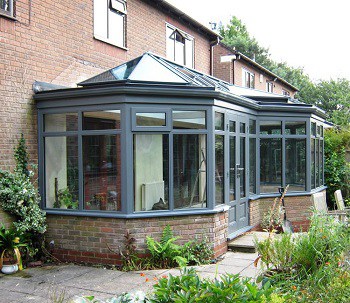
(92, 147)
(317, 159)
(109, 21)
(248, 79)
(151, 172)
(282, 155)
(6, 8)
(219, 158)
(179, 46)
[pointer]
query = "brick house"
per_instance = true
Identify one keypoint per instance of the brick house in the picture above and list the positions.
(149, 137)
(238, 69)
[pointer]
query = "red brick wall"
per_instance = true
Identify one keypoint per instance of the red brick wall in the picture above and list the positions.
(298, 210)
(86, 238)
(52, 41)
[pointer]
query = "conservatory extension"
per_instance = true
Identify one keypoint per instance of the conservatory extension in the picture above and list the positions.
(151, 143)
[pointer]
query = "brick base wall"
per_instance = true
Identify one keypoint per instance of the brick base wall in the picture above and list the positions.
(298, 210)
(85, 239)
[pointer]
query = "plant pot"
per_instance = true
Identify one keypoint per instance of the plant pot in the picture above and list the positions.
(9, 269)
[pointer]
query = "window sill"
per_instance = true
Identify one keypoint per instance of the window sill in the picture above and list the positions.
(110, 43)
(7, 16)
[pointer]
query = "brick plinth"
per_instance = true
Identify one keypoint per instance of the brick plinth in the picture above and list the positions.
(86, 238)
(298, 210)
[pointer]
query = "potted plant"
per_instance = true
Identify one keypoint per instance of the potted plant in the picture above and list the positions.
(10, 255)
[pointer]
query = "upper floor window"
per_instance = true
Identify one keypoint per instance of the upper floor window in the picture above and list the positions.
(285, 93)
(269, 87)
(109, 21)
(248, 79)
(179, 46)
(6, 7)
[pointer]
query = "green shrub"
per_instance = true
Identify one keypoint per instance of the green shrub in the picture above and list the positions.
(336, 169)
(189, 287)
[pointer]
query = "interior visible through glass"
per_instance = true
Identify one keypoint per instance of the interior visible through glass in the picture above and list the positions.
(190, 171)
(61, 172)
(150, 119)
(108, 119)
(102, 172)
(296, 164)
(151, 172)
(270, 127)
(61, 122)
(219, 170)
(270, 165)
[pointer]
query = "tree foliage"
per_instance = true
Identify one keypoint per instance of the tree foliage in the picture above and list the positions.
(332, 96)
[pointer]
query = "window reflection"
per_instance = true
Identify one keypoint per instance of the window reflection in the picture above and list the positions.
(189, 119)
(190, 171)
(61, 122)
(270, 165)
(109, 119)
(295, 164)
(219, 170)
(295, 128)
(270, 127)
(102, 167)
(150, 119)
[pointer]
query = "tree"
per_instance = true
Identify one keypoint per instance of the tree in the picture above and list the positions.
(332, 96)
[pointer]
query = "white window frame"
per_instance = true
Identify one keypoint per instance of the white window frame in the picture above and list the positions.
(285, 93)
(251, 76)
(9, 11)
(269, 87)
(106, 14)
(172, 45)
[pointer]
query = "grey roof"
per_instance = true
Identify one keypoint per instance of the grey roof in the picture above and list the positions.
(152, 68)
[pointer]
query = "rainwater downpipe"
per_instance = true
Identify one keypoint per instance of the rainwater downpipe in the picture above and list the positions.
(212, 44)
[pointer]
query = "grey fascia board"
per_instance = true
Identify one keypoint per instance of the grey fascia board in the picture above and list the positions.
(173, 91)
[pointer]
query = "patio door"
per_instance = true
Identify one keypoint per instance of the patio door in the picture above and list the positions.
(237, 173)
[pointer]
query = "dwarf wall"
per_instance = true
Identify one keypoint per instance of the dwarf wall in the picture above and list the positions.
(298, 210)
(85, 239)
(52, 41)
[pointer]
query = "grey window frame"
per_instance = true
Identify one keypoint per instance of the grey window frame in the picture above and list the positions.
(11, 12)
(78, 133)
(283, 138)
(318, 181)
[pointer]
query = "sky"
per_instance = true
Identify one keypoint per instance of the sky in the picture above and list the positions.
(312, 34)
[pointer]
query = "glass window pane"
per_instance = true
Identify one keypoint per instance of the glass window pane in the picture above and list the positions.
(232, 168)
(270, 127)
(189, 119)
(232, 126)
(252, 165)
(116, 28)
(108, 119)
(295, 164)
(190, 171)
(321, 163)
(313, 129)
(219, 170)
(252, 126)
(242, 128)
(270, 165)
(242, 166)
(219, 121)
(102, 172)
(151, 172)
(61, 122)
(150, 119)
(313, 166)
(318, 130)
(317, 162)
(295, 128)
(61, 172)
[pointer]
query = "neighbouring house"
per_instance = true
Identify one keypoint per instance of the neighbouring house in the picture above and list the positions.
(238, 69)
(149, 136)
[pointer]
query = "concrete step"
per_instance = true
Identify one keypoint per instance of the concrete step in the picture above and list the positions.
(245, 242)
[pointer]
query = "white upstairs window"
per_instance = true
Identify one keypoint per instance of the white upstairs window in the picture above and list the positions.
(6, 7)
(109, 21)
(179, 46)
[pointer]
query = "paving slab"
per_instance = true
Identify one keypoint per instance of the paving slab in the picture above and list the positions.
(43, 284)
